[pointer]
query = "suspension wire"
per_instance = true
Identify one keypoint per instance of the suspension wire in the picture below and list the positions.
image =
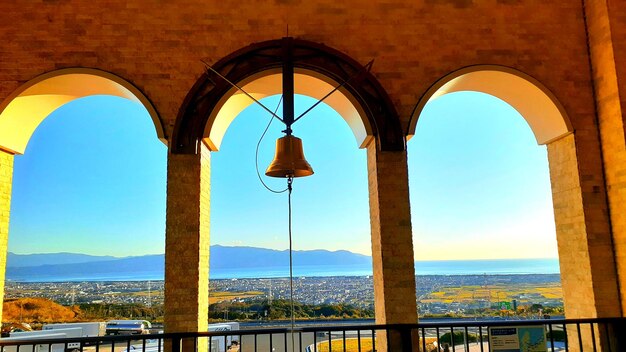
(293, 343)
(256, 154)
(208, 67)
(367, 68)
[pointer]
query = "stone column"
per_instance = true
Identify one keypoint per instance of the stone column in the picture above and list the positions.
(607, 46)
(187, 244)
(392, 243)
(6, 176)
(585, 246)
(606, 42)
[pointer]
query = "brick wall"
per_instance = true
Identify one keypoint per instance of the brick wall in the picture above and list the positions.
(158, 47)
(584, 243)
(392, 241)
(610, 93)
(187, 242)
(6, 175)
(617, 14)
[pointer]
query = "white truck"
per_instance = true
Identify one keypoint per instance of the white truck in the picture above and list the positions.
(223, 343)
(128, 327)
(216, 343)
(52, 331)
(16, 337)
(88, 329)
(32, 348)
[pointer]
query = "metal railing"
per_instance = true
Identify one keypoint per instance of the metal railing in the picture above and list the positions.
(597, 335)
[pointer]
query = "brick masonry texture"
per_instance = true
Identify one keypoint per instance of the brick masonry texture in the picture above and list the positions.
(587, 267)
(158, 46)
(6, 175)
(578, 52)
(392, 239)
(392, 242)
(605, 46)
(187, 242)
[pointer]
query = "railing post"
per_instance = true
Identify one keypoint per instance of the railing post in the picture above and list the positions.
(402, 338)
(407, 341)
(176, 344)
(616, 335)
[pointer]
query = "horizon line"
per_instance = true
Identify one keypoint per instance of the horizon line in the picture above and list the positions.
(282, 250)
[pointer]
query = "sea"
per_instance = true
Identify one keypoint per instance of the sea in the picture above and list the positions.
(440, 267)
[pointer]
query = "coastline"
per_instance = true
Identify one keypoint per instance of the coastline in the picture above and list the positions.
(79, 273)
(278, 278)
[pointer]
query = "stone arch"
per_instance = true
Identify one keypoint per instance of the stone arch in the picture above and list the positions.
(365, 106)
(23, 110)
(586, 259)
(540, 108)
(28, 106)
(362, 102)
(268, 83)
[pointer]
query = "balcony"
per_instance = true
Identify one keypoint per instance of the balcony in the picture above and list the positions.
(601, 334)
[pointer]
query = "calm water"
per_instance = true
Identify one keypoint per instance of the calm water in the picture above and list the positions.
(449, 267)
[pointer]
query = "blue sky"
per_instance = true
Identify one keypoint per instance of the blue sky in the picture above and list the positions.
(480, 184)
(92, 180)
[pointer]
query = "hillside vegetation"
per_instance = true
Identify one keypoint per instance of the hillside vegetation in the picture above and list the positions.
(37, 310)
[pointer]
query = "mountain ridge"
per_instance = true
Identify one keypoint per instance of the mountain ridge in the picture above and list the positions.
(306, 257)
(37, 259)
(35, 266)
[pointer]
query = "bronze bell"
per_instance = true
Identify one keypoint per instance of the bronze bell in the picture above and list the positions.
(289, 159)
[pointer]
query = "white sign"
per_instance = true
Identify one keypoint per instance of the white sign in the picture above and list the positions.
(518, 339)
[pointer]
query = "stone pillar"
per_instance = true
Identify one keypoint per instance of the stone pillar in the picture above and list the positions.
(585, 246)
(187, 244)
(606, 41)
(6, 176)
(392, 243)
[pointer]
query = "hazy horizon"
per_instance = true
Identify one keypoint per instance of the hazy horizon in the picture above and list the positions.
(285, 249)
(251, 263)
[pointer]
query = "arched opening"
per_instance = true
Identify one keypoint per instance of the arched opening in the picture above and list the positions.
(249, 223)
(482, 212)
(306, 83)
(550, 125)
(77, 92)
(316, 66)
(187, 239)
(538, 106)
(27, 107)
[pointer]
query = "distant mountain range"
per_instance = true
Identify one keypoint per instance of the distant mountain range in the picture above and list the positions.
(71, 265)
(246, 262)
(26, 260)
